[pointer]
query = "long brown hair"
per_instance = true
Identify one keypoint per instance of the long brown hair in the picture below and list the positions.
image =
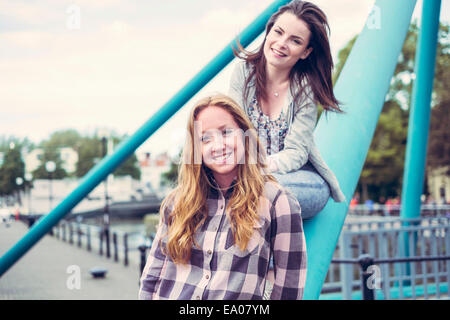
(314, 71)
(189, 198)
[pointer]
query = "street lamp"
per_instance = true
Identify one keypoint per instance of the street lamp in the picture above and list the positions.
(19, 181)
(50, 166)
(104, 154)
(106, 209)
(28, 178)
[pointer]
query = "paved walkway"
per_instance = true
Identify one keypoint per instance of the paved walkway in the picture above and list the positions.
(44, 272)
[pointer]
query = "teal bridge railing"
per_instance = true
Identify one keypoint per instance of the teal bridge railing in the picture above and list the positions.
(343, 139)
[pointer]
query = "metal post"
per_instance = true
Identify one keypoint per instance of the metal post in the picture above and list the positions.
(97, 174)
(142, 248)
(344, 139)
(101, 242)
(106, 208)
(88, 238)
(79, 234)
(50, 193)
(365, 261)
(70, 233)
(125, 249)
(107, 241)
(64, 226)
(116, 254)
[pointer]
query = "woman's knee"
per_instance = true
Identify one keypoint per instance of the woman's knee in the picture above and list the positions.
(312, 206)
(310, 189)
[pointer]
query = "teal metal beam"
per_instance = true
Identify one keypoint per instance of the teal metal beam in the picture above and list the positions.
(344, 139)
(125, 149)
(419, 114)
(419, 122)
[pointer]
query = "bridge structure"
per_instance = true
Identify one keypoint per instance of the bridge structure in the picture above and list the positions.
(343, 139)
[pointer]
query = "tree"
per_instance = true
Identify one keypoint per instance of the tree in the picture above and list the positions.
(383, 170)
(42, 173)
(438, 154)
(170, 177)
(342, 58)
(439, 138)
(129, 167)
(61, 139)
(12, 165)
(12, 168)
(51, 147)
(90, 151)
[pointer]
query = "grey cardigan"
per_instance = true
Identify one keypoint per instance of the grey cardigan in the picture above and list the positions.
(299, 145)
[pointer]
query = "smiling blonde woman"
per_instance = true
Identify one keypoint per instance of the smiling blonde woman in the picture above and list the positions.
(226, 218)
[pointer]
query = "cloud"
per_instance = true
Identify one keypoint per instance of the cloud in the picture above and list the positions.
(24, 39)
(124, 62)
(28, 12)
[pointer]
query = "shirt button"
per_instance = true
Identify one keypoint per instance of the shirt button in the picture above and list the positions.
(197, 297)
(209, 252)
(221, 207)
(207, 276)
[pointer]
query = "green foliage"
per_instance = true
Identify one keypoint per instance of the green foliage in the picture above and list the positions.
(12, 165)
(342, 58)
(170, 177)
(51, 148)
(439, 139)
(89, 153)
(129, 167)
(12, 168)
(383, 170)
(89, 148)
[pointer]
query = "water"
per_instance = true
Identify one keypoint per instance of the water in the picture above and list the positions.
(135, 228)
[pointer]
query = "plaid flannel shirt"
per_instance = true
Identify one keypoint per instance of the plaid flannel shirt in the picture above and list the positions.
(218, 269)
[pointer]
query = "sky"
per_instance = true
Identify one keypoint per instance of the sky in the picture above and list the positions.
(109, 65)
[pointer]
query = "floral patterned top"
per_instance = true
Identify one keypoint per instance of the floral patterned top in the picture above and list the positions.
(270, 132)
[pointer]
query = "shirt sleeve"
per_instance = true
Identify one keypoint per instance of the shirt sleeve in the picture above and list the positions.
(289, 249)
(156, 261)
(298, 142)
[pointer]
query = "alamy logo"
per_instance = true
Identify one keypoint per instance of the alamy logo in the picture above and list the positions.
(374, 19)
(74, 279)
(374, 281)
(73, 21)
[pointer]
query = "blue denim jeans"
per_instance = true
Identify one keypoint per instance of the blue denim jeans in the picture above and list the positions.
(308, 186)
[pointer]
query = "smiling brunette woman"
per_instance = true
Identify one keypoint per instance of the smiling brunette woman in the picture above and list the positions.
(226, 218)
(279, 87)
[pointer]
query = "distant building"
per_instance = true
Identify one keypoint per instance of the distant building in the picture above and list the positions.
(152, 168)
(46, 194)
(68, 156)
(33, 160)
(439, 185)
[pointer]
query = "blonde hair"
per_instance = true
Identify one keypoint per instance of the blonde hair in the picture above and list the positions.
(189, 197)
